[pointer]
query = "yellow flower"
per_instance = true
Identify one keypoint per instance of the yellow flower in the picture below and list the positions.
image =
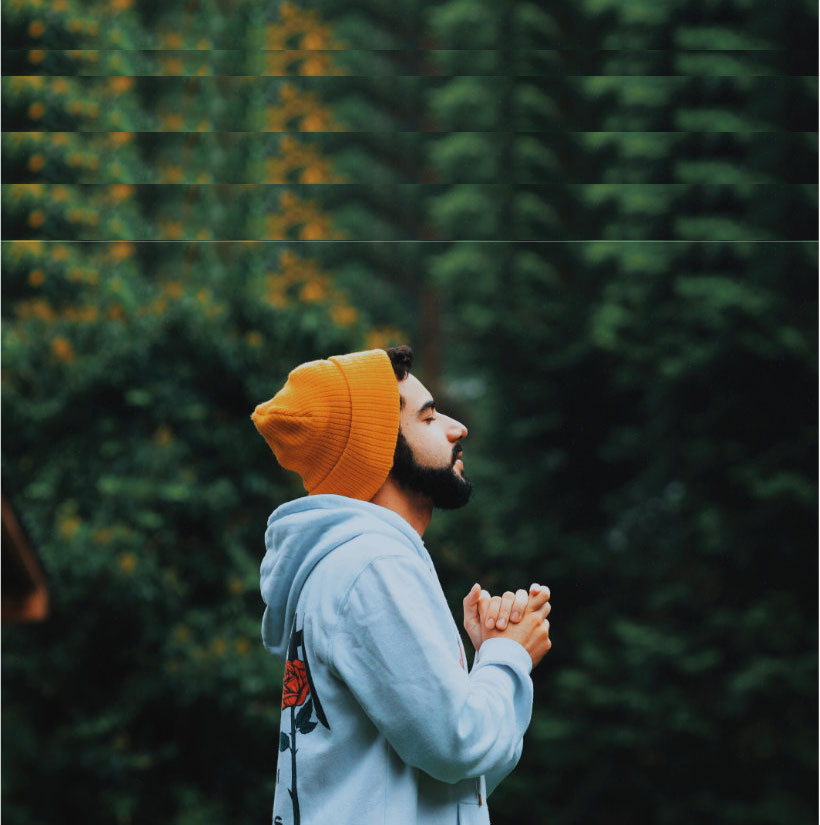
(172, 65)
(219, 647)
(172, 230)
(314, 67)
(243, 647)
(68, 526)
(171, 121)
(36, 56)
(235, 586)
(62, 349)
(171, 40)
(381, 337)
(36, 110)
(254, 339)
(36, 218)
(128, 562)
(343, 315)
(36, 162)
(36, 277)
(38, 309)
(314, 41)
(120, 138)
(120, 192)
(59, 138)
(173, 289)
(171, 174)
(312, 292)
(36, 28)
(313, 231)
(121, 84)
(315, 122)
(121, 250)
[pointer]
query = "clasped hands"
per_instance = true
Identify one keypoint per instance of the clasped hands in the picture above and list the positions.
(520, 616)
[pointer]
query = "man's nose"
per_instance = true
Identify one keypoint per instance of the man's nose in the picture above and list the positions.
(456, 431)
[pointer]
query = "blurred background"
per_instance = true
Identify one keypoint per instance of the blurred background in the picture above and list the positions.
(597, 226)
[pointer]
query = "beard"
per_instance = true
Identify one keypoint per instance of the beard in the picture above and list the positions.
(442, 485)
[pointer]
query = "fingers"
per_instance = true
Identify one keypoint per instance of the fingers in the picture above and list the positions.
(504, 611)
(512, 608)
(483, 604)
(492, 611)
(539, 596)
(519, 605)
(499, 611)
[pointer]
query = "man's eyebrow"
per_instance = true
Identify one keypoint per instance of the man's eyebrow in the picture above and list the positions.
(427, 405)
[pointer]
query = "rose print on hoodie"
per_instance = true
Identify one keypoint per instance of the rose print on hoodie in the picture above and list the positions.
(295, 687)
(298, 692)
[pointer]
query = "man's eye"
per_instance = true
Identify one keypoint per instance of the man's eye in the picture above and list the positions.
(432, 418)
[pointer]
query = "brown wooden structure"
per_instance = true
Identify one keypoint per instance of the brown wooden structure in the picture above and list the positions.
(25, 594)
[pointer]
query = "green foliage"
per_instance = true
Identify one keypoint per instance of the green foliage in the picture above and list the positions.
(641, 404)
(135, 463)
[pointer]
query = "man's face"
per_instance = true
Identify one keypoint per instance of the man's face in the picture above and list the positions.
(427, 458)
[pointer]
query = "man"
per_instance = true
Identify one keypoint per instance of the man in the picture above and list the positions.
(381, 722)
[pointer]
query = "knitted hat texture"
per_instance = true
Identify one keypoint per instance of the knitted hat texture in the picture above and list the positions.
(335, 422)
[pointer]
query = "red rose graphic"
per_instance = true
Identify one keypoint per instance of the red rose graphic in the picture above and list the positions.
(295, 688)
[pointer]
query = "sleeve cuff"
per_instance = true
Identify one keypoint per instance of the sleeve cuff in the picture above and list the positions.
(504, 652)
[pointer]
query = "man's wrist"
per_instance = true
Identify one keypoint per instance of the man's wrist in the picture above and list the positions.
(504, 651)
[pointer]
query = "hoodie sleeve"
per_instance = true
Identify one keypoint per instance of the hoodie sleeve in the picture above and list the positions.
(395, 647)
(496, 775)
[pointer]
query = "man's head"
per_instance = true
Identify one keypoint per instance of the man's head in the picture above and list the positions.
(349, 423)
(427, 459)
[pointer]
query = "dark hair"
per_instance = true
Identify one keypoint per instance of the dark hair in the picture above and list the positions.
(402, 360)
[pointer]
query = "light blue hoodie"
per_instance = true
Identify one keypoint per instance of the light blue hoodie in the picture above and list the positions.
(381, 722)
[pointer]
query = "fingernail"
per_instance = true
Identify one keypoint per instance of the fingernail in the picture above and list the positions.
(500, 624)
(490, 622)
(515, 616)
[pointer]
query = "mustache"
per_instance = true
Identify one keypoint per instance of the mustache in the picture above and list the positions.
(457, 453)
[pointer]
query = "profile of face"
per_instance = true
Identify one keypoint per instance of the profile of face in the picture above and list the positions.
(428, 458)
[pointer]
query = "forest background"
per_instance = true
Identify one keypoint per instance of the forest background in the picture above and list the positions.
(596, 224)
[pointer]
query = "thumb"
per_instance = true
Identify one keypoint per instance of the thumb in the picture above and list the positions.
(471, 599)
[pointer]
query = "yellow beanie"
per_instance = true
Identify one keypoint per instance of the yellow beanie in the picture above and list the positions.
(335, 422)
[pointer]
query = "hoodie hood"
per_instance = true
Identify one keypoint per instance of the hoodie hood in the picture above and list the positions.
(299, 535)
